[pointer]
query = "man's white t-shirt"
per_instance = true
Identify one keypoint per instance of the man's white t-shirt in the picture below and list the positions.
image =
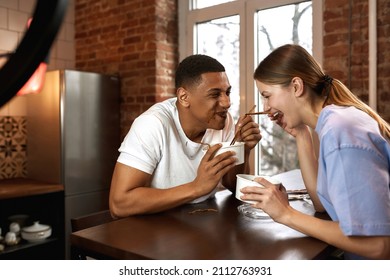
(156, 144)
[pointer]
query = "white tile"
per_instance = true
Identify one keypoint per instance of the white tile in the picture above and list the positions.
(3, 18)
(20, 36)
(69, 32)
(9, 40)
(17, 21)
(52, 65)
(18, 106)
(70, 64)
(13, 20)
(59, 64)
(4, 110)
(27, 5)
(61, 35)
(69, 16)
(65, 50)
(67, 27)
(53, 49)
(11, 4)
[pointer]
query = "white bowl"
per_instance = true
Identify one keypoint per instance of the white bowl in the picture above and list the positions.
(20, 219)
(238, 148)
(36, 233)
(246, 180)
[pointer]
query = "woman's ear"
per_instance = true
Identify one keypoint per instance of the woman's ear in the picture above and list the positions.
(183, 96)
(298, 86)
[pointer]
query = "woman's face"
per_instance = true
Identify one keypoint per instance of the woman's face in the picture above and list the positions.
(280, 99)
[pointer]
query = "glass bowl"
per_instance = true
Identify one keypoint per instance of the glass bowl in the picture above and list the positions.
(249, 211)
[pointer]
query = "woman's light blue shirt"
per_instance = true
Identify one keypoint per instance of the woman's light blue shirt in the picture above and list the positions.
(353, 176)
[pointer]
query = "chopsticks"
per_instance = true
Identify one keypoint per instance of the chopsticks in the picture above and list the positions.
(258, 113)
(238, 131)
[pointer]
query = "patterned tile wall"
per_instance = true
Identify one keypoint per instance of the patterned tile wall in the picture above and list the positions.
(13, 147)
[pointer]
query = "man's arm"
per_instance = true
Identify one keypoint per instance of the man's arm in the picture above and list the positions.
(132, 194)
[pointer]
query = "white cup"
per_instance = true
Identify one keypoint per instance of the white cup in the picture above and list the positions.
(238, 148)
(11, 238)
(246, 180)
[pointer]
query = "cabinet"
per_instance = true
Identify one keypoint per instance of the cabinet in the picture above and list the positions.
(43, 202)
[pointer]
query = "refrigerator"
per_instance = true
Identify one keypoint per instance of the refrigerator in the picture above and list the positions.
(73, 135)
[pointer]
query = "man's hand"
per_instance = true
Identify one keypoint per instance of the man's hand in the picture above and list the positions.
(249, 132)
(212, 168)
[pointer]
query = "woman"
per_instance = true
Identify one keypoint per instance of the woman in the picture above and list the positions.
(345, 161)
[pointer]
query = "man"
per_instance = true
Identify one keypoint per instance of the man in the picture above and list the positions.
(163, 162)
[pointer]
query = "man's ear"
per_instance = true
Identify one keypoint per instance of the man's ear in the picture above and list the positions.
(183, 97)
(298, 86)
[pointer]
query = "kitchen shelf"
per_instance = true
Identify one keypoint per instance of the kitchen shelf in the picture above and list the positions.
(22, 187)
(39, 201)
(37, 250)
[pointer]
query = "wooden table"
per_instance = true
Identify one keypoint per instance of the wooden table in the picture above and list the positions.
(209, 230)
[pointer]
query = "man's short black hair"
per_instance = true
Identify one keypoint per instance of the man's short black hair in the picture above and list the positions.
(192, 67)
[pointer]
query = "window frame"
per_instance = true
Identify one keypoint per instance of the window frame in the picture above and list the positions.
(246, 10)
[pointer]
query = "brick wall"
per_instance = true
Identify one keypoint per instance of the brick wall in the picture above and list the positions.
(383, 69)
(346, 47)
(137, 40)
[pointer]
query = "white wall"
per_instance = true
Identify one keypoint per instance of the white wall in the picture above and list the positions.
(13, 19)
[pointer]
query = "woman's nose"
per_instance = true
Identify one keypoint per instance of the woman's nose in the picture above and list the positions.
(266, 107)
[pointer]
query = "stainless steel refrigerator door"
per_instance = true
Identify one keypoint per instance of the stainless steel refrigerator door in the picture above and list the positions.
(44, 160)
(90, 131)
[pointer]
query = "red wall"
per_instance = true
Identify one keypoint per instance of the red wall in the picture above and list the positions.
(346, 47)
(138, 40)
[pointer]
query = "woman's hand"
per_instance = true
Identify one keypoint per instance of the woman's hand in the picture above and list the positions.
(272, 199)
(278, 119)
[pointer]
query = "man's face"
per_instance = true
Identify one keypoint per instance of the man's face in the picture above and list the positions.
(210, 100)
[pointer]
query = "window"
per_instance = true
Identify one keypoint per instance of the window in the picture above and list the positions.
(199, 4)
(219, 38)
(240, 34)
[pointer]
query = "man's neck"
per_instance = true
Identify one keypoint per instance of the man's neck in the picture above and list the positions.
(192, 131)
